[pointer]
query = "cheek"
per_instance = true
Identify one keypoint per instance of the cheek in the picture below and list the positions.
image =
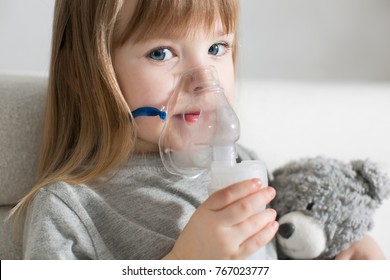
(146, 89)
(141, 83)
(226, 76)
(230, 90)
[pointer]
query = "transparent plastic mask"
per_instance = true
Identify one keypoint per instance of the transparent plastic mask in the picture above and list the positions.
(199, 119)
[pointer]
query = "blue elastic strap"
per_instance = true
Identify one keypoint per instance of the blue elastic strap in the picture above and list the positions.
(149, 112)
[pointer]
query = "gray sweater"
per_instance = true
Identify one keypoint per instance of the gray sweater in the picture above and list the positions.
(138, 214)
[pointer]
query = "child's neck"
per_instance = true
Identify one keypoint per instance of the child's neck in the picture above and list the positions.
(144, 147)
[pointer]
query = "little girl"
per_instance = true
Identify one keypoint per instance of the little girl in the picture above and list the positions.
(101, 190)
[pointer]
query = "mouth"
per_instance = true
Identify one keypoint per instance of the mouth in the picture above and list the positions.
(191, 117)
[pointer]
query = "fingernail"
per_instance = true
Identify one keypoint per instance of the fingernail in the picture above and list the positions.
(275, 224)
(271, 191)
(257, 182)
(272, 211)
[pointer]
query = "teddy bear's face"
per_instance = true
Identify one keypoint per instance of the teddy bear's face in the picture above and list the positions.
(322, 205)
(302, 232)
(301, 236)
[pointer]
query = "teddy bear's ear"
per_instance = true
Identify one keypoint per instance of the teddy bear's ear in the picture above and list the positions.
(376, 184)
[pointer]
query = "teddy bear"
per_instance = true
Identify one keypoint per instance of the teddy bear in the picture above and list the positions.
(324, 205)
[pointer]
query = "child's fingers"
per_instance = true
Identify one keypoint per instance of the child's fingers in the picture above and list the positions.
(228, 195)
(258, 240)
(255, 223)
(363, 249)
(344, 255)
(246, 207)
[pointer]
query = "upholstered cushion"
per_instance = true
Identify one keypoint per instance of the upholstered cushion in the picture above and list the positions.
(22, 100)
(10, 237)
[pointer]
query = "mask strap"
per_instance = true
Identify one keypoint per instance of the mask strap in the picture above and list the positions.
(149, 112)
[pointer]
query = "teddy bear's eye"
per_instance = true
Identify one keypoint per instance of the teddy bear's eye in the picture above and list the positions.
(310, 206)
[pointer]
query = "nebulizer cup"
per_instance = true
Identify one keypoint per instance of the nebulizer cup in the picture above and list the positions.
(200, 133)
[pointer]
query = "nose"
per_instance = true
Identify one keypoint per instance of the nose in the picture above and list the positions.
(286, 230)
(199, 78)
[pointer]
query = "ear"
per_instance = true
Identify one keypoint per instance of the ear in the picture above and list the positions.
(376, 184)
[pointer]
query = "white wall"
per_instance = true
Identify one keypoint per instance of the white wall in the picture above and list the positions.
(25, 35)
(316, 39)
(280, 39)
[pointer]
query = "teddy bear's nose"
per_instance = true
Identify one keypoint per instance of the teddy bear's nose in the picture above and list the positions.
(286, 230)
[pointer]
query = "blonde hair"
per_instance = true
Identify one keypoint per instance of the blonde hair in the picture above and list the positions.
(87, 130)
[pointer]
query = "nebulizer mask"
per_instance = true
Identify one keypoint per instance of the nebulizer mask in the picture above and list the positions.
(200, 122)
(200, 132)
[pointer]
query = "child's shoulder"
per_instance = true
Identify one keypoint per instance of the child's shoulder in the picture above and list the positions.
(61, 188)
(63, 193)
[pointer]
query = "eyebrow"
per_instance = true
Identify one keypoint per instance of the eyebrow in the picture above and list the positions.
(217, 32)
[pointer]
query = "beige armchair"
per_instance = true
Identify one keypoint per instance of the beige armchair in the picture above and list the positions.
(22, 100)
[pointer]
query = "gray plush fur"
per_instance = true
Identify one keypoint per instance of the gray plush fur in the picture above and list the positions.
(345, 196)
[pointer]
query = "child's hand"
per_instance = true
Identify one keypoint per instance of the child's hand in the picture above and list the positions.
(365, 249)
(229, 224)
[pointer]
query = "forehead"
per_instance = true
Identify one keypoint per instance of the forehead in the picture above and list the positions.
(147, 19)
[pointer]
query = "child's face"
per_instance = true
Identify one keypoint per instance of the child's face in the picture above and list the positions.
(147, 71)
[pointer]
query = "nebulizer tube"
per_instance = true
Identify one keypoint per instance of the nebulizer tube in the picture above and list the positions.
(200, 134)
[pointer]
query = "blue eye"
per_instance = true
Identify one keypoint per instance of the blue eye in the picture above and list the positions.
(217, 49)
(160, 54)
